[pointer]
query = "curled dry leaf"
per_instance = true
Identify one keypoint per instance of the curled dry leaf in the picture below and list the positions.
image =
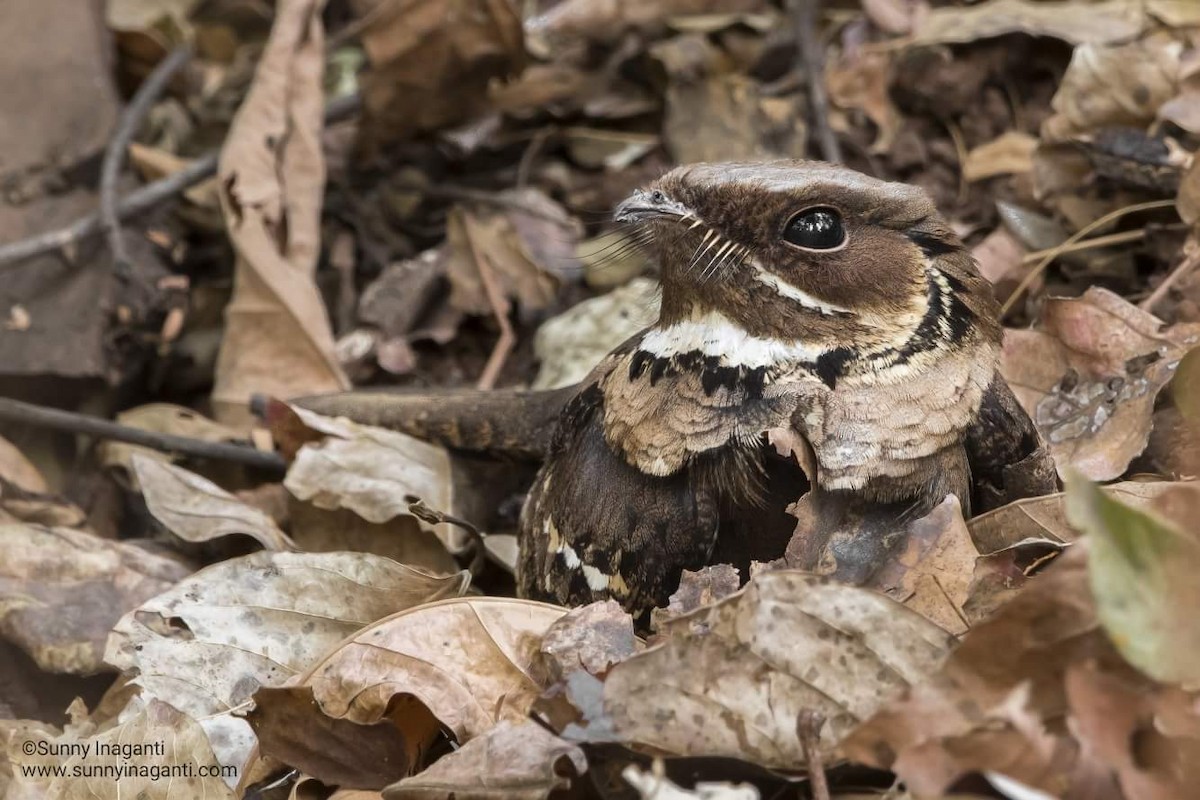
(1074, 21)
(591, 638)
(462, 665)
(16, 469)
(999, 702)
(1010, 152)
(608, 20)
(62, 589)
(277, 336)
(1143, 567)
(197, 510)
(171, 747)
(210, 641)
(700, 588)
(512, 761)
(862, 82)
(732, 678)
(375, 473)
(1090, 377)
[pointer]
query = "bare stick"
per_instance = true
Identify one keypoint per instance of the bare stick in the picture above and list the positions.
(804, 19)
(1182, 269)
(808, 730)
(114, 155)
(141, 200)
(55, 419)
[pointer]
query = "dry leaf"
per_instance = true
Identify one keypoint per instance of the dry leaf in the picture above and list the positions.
(1000, 259)
(277, 336)
(375, 473)
(207, 644)
(197, 510)
(861, 82)
(932, 574)
(731, 678)
(174, 751)
(650, 786)
(1010, 152)
(62, 589)
(1110, 86)
(571, 344)
(432, 60)
(591, 638)
(462, 665)
(607, 20)
(1075, 21)
(512, 761)
(1143, 567)
(700, 588)
(159, 418)
(1090, 377)
(16, 469)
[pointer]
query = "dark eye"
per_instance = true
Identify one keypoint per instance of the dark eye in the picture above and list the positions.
(816, 229)
(657, 197)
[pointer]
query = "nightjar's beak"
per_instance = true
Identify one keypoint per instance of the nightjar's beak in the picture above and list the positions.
(643, 205)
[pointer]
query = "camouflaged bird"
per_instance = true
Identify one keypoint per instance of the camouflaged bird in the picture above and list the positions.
(798, 298)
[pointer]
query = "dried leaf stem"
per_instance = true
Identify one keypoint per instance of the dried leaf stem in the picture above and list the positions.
(808, 729)
(804, 20)
(56, 419)
(1185, 267)
(114, 155)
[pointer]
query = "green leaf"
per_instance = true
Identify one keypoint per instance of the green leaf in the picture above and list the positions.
(1144, 570)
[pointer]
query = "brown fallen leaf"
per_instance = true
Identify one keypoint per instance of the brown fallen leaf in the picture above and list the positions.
(861, 82)
(173, 756)
(209, 642)
(608, 20)
(1114, 85)
(1075, 21)
(374, 472)
(431, 62)
(999, 257)
(468, 662)
(277, 336)
(61, 590)
(18, 470)
(999, 702)
(1090, 376)
(159, 418)
(1010, 152)
(197, 510)
(731, 678)
(932, 574)
(512, 761)
(696, 589)
(591, 638)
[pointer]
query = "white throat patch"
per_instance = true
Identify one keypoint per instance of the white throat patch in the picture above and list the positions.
(785, 289)
(714, 334)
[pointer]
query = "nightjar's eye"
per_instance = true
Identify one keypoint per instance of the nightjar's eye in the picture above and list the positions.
(657, 197)
(816, 229)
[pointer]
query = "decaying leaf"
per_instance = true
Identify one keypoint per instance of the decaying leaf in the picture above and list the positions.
(998, 704)
(862, 82)
(572, 343)
(62, 589)
(209, 642)
(375, 473)
(697, 589)
(1075, 21)
(1008, 153)
(608, 20)
(277, 336)
(16, 469)
(1090, 376)
(1143, 568)
(462, 665)
(932, 574)
(197, 510)
(521, 761)
(592, 638)
(731, 678)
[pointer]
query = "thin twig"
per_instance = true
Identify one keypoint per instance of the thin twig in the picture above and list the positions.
(141, 200)
(1108, 240)
(1055, 252)
(1185, 267)
(55, 419)
(808, 730)
(804, 18)
(418, 508)
(114, 156)
(500, 308)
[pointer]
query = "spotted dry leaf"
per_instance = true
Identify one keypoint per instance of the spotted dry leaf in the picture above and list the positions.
(731, 678)
(1089, 378)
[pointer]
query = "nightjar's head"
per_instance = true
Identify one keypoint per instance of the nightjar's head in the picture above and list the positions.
(807, 251)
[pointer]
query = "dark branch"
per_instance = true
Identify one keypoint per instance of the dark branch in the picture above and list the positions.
(27, 414)
(804, 18)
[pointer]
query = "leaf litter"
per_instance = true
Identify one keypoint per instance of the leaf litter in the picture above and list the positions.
(448, 235)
